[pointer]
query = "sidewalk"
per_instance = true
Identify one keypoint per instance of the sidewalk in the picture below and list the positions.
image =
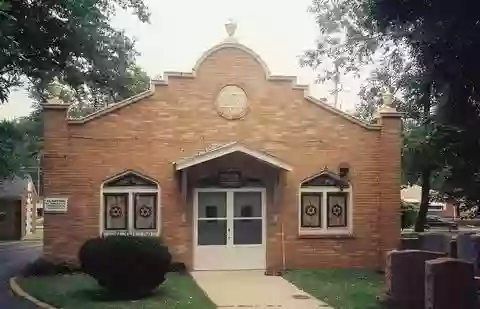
(252, 289)
(38, 235)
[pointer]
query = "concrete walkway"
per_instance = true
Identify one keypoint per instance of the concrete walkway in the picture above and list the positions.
(252, 289)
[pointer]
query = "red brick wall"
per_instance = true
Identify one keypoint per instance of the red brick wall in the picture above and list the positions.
(180, 119)
(389, 179)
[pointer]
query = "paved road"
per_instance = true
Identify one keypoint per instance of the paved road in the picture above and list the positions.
(13, 257)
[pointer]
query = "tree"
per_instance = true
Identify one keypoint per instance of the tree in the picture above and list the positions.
(346, 42)
(71, 41)
(445, 40)
(350, 40)
(66, 49)
(10, 148)
(90, 98)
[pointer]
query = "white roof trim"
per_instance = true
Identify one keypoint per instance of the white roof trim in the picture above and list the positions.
(230, 44)
(112, 107)
(228, 149)
(269, 77)
(190, 75)
(130, 171)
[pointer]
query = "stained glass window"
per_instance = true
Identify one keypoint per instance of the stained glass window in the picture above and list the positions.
(311, 210)
(337, 209)
(145, 211)
(116, 211)
(325, 205)
(130, 206)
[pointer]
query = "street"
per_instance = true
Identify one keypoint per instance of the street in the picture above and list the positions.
(13, 257)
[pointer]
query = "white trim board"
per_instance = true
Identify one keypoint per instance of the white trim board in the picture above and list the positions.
(228, 149)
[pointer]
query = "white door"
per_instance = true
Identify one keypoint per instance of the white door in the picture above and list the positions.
(229, 229)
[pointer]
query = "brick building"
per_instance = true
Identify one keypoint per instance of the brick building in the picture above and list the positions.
(234, 167)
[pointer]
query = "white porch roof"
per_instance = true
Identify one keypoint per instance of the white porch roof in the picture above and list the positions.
(218, 151)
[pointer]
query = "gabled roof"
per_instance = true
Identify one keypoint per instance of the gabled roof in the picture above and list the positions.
(217, 151)
(130, 174)
(190, 75)
(325, 178)
(13, 188)
(112, 107)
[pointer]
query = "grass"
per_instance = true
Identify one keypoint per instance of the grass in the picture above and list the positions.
(341, 288)
(82, 292)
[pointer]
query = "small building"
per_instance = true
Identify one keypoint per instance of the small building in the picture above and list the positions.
(235, 168)
(444, 209)
(17, 208)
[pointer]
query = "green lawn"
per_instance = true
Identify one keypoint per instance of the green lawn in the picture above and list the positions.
(341, 288)
(81, 292)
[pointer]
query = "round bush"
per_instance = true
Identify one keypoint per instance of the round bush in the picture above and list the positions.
(127, 266)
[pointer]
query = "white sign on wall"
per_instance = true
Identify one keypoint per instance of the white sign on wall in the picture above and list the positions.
(55, 204)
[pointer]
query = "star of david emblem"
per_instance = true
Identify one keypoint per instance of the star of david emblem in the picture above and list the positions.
(115, 212)
(145, 211)
(311, 210)
(337, 210)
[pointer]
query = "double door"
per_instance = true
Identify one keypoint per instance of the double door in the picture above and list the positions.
(229, 229)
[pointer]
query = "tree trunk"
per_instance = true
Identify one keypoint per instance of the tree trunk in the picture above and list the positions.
(425, 200)
(426, 172)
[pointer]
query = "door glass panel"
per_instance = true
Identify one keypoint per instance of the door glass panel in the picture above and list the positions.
(247, 204)
(212, 232)
(247, 231)
(212, 205)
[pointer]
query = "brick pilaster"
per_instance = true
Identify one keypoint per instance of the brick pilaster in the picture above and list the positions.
(389, 182)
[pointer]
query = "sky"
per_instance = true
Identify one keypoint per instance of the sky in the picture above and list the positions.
(180, 31)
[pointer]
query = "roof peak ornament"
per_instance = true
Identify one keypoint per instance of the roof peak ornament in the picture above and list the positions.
(231, 27)
(387, 104)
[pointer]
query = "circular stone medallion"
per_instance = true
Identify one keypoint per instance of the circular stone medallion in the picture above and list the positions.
(231, 102)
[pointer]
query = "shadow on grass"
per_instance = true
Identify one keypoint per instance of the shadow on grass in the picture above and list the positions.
(102, 295)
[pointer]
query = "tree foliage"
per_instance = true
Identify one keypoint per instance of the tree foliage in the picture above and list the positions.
(351, 40)
(71, 41)
(445, 40)
(11, 149)
(65, 49)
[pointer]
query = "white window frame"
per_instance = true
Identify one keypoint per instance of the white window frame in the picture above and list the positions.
(324, 230)
(131, 191)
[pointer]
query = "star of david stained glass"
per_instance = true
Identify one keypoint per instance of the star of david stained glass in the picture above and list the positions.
(337, 203)
(325, 205)
(337, 210)
(310, 210)
(311, 204)
(130, 205)
(145, 211)
(115, 212)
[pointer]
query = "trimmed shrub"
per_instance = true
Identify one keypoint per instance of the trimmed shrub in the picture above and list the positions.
(178, 267)
(127, 266)
(42, 267)
(409, 215)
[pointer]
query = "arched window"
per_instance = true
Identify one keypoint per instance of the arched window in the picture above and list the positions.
(325, 205)
(130, 205)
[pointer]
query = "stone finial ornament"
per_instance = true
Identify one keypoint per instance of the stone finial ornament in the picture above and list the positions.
(231, 27)
(55, 101)
(388, 99)
(387, 106)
